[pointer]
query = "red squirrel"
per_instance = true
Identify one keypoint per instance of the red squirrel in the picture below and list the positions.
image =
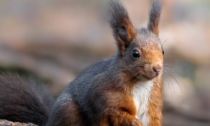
(123, 90)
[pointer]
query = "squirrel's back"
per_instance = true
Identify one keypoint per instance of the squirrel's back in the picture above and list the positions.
(73, 91)
(24, 100)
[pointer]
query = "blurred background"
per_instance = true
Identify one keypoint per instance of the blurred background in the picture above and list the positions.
(54, 40)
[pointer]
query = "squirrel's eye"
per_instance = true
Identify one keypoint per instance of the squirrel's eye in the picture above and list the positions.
(163, 52)
(136, 54)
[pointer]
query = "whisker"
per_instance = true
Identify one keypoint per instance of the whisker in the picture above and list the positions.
(162, 44)
(171, 85)
(169, 72)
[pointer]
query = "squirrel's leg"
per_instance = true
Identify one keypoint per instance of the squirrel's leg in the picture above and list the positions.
(118, 109)
(65, 113)
(115, 117)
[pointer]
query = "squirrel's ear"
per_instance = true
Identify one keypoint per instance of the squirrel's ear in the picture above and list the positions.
(154, 16)
(122, 28)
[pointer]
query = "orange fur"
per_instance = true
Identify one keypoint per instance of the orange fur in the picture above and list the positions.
(155, 104)
(72, 115)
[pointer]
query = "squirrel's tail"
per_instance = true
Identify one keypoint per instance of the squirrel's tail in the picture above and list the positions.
(23, 101)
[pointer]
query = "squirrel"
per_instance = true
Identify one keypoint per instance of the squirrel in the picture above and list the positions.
(123, 90)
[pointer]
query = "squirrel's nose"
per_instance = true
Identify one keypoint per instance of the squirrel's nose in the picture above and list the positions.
(157, 69)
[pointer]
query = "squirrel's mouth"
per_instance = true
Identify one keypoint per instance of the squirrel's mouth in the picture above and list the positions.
(149, 75)
(146, 74)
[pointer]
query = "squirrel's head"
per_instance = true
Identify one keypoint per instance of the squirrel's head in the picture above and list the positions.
(139, 50)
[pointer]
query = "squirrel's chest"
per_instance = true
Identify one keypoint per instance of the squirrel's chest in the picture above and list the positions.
(141, 93)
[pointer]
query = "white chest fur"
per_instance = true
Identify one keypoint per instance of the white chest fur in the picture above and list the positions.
(141, 93)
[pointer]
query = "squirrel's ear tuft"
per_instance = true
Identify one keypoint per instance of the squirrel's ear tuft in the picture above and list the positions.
(123, 30)
(154, 16)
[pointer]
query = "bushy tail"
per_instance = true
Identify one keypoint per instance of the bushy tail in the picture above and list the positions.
(23, 101)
